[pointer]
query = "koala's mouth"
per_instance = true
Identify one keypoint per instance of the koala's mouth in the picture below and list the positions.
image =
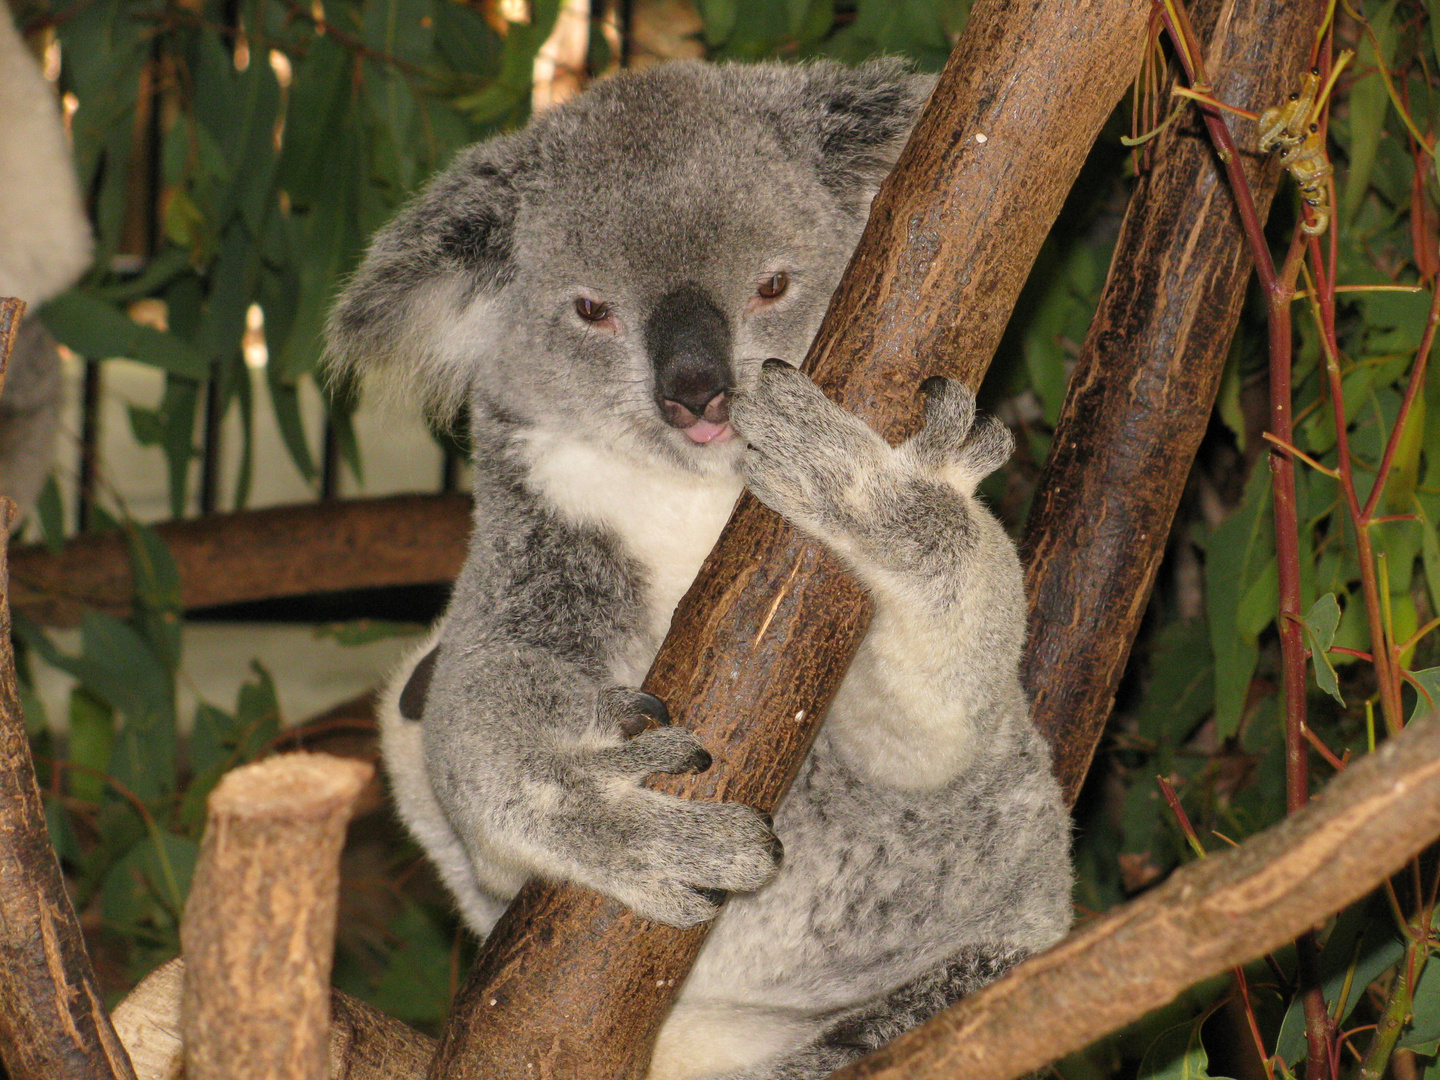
(703, 423)
(704, 432)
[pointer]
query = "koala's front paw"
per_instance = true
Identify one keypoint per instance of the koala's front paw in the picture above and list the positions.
(671, 860)
(807, 459)
(962, 447)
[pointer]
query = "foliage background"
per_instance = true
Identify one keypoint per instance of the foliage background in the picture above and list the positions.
(239, 153)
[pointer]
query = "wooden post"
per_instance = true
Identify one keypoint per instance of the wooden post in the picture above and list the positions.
(570, 984)
(258, 933)
(53, 1025)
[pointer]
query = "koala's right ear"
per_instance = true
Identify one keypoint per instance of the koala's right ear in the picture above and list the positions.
(412, 315)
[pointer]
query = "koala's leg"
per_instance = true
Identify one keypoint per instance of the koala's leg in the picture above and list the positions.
(480, 898)
(938, 671)
(855, 1032)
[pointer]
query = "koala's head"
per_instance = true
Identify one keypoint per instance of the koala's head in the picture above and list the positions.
(619, 267)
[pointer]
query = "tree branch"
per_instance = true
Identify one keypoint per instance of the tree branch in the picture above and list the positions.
(256, 555)
(1221, 911)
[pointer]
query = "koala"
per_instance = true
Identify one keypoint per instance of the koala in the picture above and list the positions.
(44, 247)
(614, 293)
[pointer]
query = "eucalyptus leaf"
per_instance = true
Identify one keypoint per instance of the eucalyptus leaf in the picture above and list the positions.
(1240, 556)
(1320, 623)
(97, 330)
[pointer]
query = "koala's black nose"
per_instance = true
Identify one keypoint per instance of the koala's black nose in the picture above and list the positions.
(687, 338)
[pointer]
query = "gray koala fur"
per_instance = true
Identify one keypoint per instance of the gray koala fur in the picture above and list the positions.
(601, 289)
(44, 247)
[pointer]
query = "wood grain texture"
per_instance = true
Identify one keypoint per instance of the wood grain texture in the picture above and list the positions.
(256, 555)
(258, 932)
(53, 1025)
(365, 1043)
(1223, 910)
(571, 985)
(1143, 389)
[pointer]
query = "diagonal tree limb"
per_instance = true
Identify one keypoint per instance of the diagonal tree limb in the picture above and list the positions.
(571, 984)
(1215, 913)
(1143, 389)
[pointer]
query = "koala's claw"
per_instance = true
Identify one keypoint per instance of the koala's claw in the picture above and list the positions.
(632, 711)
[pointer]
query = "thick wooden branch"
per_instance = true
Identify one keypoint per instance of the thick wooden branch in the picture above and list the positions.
(570, 984)
(1223, 910)
(1143, 389)
(258, 932)
(53, 1025)
(256, 555)
(365, 1043)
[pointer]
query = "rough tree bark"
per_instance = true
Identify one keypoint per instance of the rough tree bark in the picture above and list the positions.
(570, 984)
(53, 1025)
(258, 932)
(365, 1043)
(1215, 913)
(1143, 389)
(255, 555)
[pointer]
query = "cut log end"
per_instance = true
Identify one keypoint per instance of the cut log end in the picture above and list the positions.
(290, 786)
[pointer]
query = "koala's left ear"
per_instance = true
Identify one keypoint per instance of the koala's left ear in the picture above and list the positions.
(864, 115)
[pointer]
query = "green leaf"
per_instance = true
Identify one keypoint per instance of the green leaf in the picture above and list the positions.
(1423, 1035)
(1181, 688)
(1320, 623)
(365, 631)
(91, 740)
(1359, 949)
(414, 984)
(156, 581)
(285, 400)
(147, 887)
(96, 330)
(50, 510)
(1429, 697)
(719, 19)
(1368, 103)
(1178, 1054)
(1240, 557)
(1430, 551)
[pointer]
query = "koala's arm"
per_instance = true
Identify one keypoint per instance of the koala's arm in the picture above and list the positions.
(527, 747)
(938, 669)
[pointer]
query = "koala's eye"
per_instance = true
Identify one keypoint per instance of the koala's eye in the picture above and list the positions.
(592, 310)
(773, 286)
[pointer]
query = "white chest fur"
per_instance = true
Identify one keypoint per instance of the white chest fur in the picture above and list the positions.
(667, 519)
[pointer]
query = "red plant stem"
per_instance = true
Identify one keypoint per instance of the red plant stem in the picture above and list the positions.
(1278, 288)
(1383, 653)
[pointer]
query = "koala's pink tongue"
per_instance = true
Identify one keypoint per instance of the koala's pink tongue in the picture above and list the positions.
(703, 431)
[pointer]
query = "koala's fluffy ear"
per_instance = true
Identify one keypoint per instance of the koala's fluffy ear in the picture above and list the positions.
(412, 315)
(865, 115)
